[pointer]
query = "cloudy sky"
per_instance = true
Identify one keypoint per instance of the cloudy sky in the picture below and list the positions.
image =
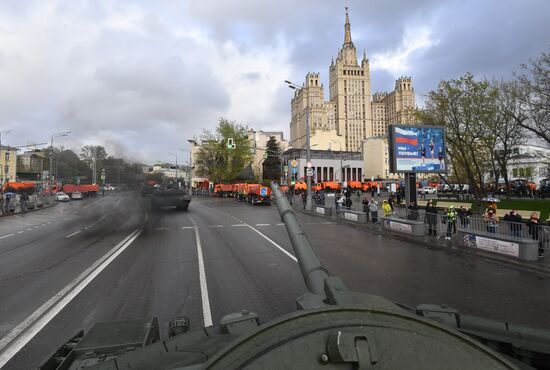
(142, 77)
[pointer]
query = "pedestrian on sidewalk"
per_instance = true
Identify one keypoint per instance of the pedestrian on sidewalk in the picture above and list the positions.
(451, 222)
(431, 218)
(365, 204)
(386, 207)
(372, 191)
(413, 211)
(492, 222)
(462, 215)
(339, 201)
(517, 226)
(1, 204)
(304, 198)
(373, 208)
(390, 201)
(534, 231)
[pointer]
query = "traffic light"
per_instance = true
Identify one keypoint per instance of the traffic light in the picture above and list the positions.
(231, 143)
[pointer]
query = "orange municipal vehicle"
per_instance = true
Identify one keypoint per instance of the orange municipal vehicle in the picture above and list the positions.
(300, 185)
(355, 185)
(258, 194)
(86, 189)
(223, 190)
(19, 186)
(329, 186)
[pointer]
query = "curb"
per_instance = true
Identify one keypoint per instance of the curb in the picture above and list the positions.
(447, 246)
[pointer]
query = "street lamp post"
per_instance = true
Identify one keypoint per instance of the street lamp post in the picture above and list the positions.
(5, 177)
(341, 161)
(189, 174)
(308, 150)
(176, 155)
(57, 134)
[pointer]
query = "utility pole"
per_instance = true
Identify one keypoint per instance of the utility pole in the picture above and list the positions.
(58, 134)
(308, 149)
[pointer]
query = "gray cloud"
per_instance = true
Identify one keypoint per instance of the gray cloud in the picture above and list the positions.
(142, 78)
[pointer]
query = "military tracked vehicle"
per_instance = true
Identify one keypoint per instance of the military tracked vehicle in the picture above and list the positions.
(332, 328)
(166, 196)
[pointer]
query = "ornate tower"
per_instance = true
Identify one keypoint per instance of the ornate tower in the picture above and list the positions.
(350, 92)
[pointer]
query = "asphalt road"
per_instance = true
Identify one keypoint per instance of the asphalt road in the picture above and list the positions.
(116, 261)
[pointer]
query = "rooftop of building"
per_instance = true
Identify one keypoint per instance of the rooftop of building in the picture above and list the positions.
(322, 154)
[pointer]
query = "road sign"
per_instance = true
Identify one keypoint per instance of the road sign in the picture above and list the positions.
(309, 172)
(294, 163)
(294, 170)
(263, 192)
(286, 168)
(308, 165)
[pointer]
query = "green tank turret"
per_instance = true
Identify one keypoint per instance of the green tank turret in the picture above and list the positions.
(332, 328)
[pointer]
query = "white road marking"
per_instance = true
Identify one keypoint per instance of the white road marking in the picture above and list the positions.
(20, 232)
(275, 244)
(215, 226)
(19, 336)
(188, 227)
(263, 224)
(162, 228)
(29, 229)
(73, 234)
(236, 225)
(6, 236)
(207, 315)
(102, 217)
(281, 224)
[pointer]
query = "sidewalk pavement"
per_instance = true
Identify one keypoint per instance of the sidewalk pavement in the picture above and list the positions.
(455, 245)
(18, 210)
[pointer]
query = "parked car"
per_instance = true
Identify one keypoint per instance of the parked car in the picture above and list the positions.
(428, 190)
(77, 196)
(62, 197)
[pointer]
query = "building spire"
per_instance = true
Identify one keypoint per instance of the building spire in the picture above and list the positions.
(347, 36)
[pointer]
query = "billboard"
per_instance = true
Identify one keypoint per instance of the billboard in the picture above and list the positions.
(416, 148)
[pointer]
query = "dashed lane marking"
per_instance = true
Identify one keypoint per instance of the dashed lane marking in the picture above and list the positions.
(22, 334)
(280, 224)
(207, 315)
(20, 232)
(275, 244)
(216, 226)
(188, 227)
(162, 228)
(237, 225)
(6, 236)
(73, 234)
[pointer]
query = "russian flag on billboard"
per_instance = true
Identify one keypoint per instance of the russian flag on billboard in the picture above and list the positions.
(406, 137)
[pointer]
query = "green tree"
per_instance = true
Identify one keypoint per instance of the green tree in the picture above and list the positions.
(94, 156)
(272, 163)
(466, 108)
(533, 83)
(215, 160)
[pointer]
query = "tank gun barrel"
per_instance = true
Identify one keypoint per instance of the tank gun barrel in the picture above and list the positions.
(312, 269)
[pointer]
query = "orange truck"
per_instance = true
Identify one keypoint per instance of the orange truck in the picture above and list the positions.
(19, 186)
(329, 186)
(258, 194)
(300, 185)
(223, 190)
(355, 185)
(90, 190)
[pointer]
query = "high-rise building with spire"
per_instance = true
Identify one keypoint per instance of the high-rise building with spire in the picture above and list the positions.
(352, 113)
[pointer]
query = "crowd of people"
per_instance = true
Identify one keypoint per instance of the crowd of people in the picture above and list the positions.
(433, 217)
(8, 202)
